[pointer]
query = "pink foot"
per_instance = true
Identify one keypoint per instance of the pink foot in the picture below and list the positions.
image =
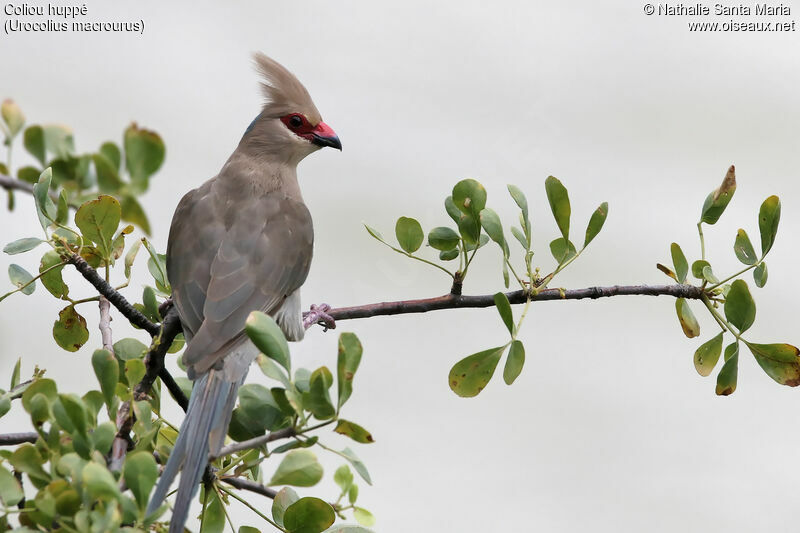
(319, 315)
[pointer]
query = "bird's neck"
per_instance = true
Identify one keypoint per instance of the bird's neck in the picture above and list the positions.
(248, 174)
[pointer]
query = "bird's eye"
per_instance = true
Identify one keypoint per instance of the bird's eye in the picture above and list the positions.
(295, 121)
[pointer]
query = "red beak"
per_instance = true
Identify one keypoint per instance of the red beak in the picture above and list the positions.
(323, 135)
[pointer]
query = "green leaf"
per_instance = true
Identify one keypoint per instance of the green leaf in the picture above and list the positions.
(470, 229)
(214, 513)
(453, 211)
(272, 370)
(10, 489)
(22, 245)
(299, 468)
(28, 174)
(679, 262)
(490, 222)
(514, 362)
(15, 374)
(134, 371)
(248, 529)
(285, 497)
(760, 274)
(519, 199)
(343, 477)
(52, 280)
(21, 278)
(126, 349)
(46, 210)
(349, 358)
(107, 176)
(697, 268)
(100, 483)
(45, 387)
(727, 377)
(364, 517)
(688, 322)
(352, 493)
(112, 152)
(133, 212)
(517, 233)
(69, 331)
(504, 308)
(596, 223)
(62, 210)
(744, 248)
(130, 257)
(58, 140)
(768, 218)
(359, 467)
(318, 400)
(449, 255)
(707, 355)
(443, 239)
(740, 309)
(27, 459)
(469, 197)
(268, 337)
(5, 404)
(375, 233)
(718, 200)
(409, 234)
(257, 412)
(354, 431)
(559, 204)
(140, 473)
(709, 276)
(308, 515)
(12, 116)
(469, 376)
(144, 154)
(98, 220)
(33, 140)
(562, 250)
(781, 362)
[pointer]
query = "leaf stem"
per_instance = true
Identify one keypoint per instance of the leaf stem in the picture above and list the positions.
(702, 240)
(749, 267)
(246, 504)
(33, 280)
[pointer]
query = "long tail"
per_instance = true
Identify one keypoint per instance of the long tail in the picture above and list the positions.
(206, 422)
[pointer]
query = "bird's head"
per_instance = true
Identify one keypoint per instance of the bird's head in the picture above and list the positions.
(290, 126)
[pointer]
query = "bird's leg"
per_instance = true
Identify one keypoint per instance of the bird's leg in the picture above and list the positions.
(319, 315)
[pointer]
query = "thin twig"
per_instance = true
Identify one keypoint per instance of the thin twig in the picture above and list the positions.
(117, 300)
(105, 324)
(10, 439)
(455, 301)
(254, 443)
(252, 486)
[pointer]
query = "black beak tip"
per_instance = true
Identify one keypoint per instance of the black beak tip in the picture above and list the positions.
(332, 142)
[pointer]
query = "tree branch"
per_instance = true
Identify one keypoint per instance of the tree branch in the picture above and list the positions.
(123, 306)
(255, 442)
(154, 363)
(10, 439)
(252, 486)
(13, 184)
(455, 301)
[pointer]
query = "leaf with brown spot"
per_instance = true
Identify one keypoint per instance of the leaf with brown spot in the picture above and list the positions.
(354, 431)
(469, 376)
(69, 331)
(687, 319)
(780, 361)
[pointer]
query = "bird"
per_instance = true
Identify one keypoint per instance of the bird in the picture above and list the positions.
(240, 242)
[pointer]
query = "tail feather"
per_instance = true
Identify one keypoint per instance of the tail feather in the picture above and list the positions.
(209, 409)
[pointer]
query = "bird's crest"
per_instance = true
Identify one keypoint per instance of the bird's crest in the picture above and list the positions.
(283, 91)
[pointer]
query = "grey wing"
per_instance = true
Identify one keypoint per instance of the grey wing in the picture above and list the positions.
(262, 258)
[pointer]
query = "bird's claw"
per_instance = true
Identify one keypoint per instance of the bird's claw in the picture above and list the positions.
(319, 315)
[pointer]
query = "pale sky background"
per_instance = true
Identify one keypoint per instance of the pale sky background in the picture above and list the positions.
(609, 427)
